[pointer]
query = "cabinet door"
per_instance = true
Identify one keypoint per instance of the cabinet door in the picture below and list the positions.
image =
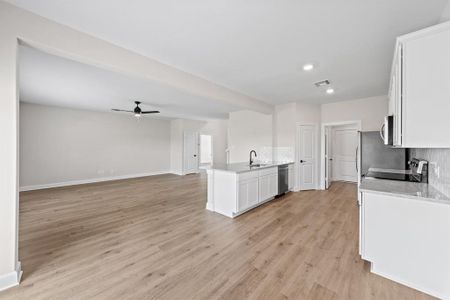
(247, 194)
(408, 239)
(361, 226)
(252, 196)
(291, 178)
(243, 196)
(273, 185)
(426, 90)
(264, 188)
(392, 89)
(395, 96)
(398, 100)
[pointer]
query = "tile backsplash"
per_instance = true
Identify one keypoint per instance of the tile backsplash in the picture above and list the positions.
(439, 167)
(279, 154)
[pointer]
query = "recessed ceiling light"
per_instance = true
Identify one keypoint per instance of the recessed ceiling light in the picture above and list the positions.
(308, 67)
(330, 91)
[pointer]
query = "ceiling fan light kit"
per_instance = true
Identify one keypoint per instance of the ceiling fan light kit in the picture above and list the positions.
(137, 110)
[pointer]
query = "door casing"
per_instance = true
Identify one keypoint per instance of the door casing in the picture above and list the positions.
(322, 164)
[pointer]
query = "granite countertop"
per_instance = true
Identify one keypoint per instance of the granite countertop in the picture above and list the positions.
(244, 167)
(406, 189)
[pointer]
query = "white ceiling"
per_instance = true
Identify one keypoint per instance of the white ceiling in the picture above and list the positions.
(52, 80)
(258, 47)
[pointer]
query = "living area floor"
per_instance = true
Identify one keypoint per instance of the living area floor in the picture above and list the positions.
(152, 238)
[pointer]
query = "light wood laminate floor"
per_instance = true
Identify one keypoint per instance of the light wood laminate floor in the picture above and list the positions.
(151, 238)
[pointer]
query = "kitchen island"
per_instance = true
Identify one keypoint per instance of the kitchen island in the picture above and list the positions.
(237, 188)
(405, 233)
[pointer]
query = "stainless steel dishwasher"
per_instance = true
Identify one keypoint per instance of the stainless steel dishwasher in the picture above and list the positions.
(283, 179)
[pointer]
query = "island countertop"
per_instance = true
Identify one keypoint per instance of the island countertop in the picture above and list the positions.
(406, 189)
(244, 167)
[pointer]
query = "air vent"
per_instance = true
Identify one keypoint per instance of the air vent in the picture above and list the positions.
(322, 83)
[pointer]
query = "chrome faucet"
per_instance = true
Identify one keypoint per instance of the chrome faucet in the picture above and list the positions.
(251, 160)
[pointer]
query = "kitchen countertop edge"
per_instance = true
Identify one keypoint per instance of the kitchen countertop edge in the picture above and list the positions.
(243, 167)
(424, 191)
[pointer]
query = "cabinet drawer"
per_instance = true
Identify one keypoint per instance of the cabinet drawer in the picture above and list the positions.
(247, 175)
(268, 171)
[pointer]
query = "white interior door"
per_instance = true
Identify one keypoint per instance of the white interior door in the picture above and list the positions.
(328, 158)
(307, 157)
(190, 152)
(344, 149)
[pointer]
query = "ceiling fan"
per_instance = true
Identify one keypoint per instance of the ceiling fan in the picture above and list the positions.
(137, 110)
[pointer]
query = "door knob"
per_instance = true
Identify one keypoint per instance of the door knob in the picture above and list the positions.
(302, 161)
(195, 155)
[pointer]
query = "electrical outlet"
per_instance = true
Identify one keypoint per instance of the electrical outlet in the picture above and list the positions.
(436, 169)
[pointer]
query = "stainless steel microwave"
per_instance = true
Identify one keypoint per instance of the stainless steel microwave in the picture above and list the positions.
(387, 130)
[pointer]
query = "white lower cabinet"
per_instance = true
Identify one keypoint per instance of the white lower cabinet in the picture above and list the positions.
(407, 240)
(231, 193)
(273, 185)
(255, 187)
(247, 193)
(268, 187)
(264, 188)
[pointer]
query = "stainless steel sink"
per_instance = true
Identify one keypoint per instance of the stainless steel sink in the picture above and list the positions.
(257, 165)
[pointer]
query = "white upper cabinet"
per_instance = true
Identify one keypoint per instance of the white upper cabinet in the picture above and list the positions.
(419, 95)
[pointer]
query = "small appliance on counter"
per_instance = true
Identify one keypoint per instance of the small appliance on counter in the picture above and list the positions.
(419, 170)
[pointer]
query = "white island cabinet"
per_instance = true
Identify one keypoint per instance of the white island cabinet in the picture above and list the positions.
(406, 235)
(236, 188)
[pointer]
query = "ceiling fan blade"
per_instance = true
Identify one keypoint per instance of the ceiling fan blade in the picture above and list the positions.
(150, 112)
(115, 109)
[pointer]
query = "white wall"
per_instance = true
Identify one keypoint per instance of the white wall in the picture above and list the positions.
(216, 128)
(57, 39)
(59, 146)
(284, 125)
(176, 146)
(308, 113)
(371, 111)
(286, 118)
(205, 149)
(446, 13)
(249, 130)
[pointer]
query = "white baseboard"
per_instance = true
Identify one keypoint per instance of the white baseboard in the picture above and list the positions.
(176, 173)
(85, 181)
(11, 279)
(209, 206)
